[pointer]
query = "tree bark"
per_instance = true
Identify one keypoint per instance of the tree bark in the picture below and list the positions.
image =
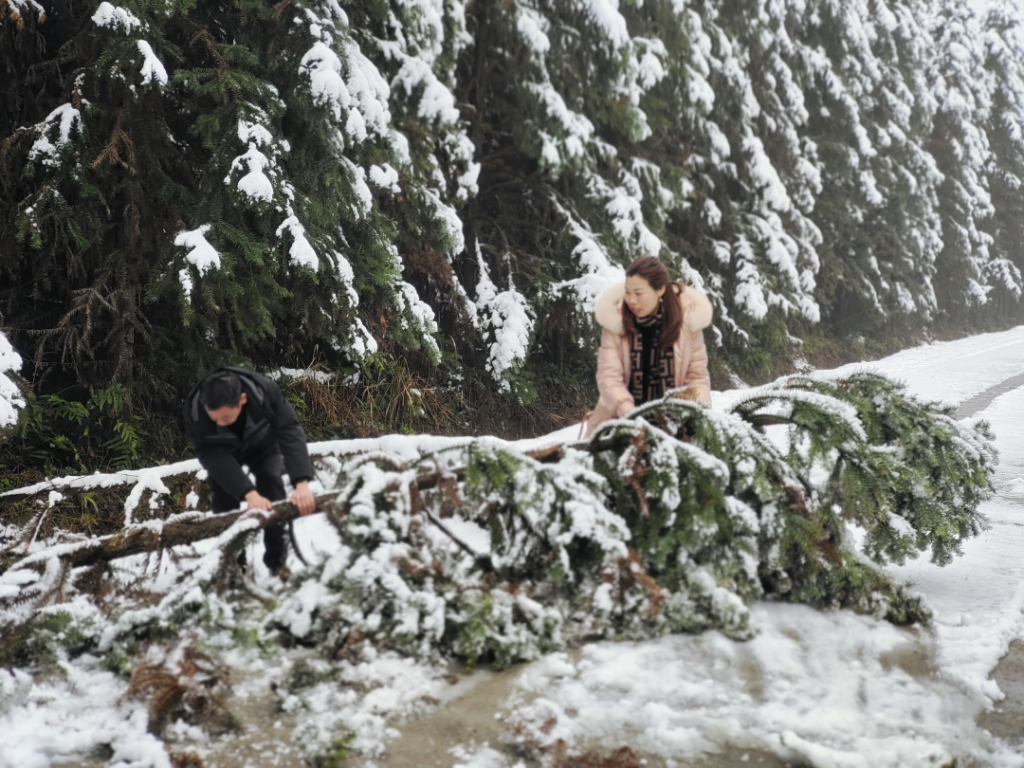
(189, 528)
(173, 533)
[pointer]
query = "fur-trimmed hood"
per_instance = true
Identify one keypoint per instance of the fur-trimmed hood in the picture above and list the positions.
(608, 308)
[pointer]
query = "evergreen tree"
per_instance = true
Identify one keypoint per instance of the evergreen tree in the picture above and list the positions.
(1005, 61)
(218, 178)
(962, 92)
(869, 116)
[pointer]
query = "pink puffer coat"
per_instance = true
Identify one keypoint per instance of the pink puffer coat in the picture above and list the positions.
(689, 353)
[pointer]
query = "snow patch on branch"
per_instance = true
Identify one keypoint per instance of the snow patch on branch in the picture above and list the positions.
(67, 118)
(255, 185)
(152, 67)
(765, 176)
(11, 398)
(578, 129)
(364, 196)
(150, 479)
(605, 14)
(18, 8)
(417, 316)
(112, 17)
(371, 93)
(385, 177)
(449, 219)
(260, 160)
(301, 252)
(597, 271)
(201, 255)
(361, 341)
(750, 288)
(359, 102)
(507, 318)
(533, 28)
(323, 67)
(436, 101)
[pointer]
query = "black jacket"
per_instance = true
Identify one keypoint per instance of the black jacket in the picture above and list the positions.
(270, 424)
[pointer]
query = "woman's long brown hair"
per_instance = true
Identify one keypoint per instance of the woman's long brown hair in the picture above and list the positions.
(654, 272)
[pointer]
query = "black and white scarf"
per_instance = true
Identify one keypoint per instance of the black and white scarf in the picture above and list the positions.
(651, 369)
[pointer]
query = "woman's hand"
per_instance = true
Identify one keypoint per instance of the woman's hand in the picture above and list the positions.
(686, 393)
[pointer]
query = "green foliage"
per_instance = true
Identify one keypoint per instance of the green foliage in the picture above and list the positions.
(121, 658)
(358, 187)
(474, 629)
(338, 755)
(96, 226)
(245, 637)
(42, 642)
(304, 674)
(72, 436)
(675, 519)
(768, 350)
(891, 462)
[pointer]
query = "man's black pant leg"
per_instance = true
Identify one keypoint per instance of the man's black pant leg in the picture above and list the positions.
(269, 483)
(267, 471)
(222, 500)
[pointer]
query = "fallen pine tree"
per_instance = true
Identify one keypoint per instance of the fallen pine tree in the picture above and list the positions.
(674, 519)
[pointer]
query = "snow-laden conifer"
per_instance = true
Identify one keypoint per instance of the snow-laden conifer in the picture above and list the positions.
(1004, 57)
(962, 89)
(250, 172)
(365, 175)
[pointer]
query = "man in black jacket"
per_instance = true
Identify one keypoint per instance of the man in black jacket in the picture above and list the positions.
(237, 417)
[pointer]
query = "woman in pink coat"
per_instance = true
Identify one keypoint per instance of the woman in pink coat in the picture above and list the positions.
(653, 341)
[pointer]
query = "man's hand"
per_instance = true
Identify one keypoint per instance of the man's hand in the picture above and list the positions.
(302, 498)
(255, 501)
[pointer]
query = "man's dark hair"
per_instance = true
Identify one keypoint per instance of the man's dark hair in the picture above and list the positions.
(219, 390)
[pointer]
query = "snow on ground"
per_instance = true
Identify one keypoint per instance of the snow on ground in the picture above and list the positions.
(45, 723)
(815, 687)
(828, 689)
(978, 598)
(954, 371)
